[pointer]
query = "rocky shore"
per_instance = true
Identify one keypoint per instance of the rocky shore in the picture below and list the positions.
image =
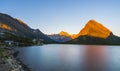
(9, 62)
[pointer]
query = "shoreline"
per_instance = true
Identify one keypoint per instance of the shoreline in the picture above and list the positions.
(25, 67)
(9, 62)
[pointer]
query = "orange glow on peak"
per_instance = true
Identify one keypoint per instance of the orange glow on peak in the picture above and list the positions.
(92, 28)
(21, 21)
(95, 29)
(62, 33)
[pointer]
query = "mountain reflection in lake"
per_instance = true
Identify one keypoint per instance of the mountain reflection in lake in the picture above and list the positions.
(61, 57)
(95, 58)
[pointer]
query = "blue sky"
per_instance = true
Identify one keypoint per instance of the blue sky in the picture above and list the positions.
(53, 16)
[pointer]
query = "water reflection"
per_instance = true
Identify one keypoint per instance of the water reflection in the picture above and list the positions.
(95, 58)
(71, 57)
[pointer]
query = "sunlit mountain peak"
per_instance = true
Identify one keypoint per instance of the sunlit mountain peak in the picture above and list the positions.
(92, 28)
(95, 29)
(63, 33)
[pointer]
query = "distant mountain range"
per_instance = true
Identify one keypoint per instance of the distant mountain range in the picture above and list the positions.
(92, 33)
(61, 37)
(18, 27)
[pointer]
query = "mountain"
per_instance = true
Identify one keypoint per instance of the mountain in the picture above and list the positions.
(95, 33)
(95, 29)
(19, 28)
(61, 37)
(63, 33)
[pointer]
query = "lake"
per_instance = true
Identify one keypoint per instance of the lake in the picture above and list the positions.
(66, 57)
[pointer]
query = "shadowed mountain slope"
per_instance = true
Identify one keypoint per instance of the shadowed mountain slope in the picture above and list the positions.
(18, 27)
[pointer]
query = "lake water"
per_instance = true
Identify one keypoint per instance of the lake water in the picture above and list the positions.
(64, 57)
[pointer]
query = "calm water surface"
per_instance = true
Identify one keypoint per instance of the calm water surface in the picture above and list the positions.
(61, 57)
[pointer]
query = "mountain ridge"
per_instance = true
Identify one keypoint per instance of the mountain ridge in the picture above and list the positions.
(92, 33)
(63, 33)
(22, 29)
(96, 34)
(92, 28)
(61, 36)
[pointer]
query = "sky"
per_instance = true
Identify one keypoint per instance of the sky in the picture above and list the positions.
(53, 16)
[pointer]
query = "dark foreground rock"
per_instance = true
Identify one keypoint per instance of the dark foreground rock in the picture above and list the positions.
(8, 62)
